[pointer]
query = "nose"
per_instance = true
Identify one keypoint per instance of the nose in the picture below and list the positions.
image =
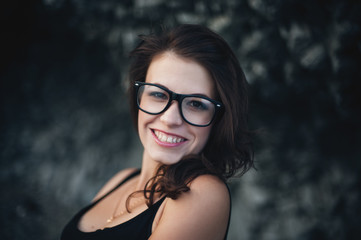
(171, 116)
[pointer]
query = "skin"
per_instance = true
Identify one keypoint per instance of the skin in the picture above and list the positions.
(202, 212)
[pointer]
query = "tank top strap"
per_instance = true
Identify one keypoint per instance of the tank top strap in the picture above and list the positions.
(230, 211)
(130, 176)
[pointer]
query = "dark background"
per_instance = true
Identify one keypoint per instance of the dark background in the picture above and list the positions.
(65, 128)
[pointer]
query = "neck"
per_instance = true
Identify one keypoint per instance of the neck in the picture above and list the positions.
(149, 168)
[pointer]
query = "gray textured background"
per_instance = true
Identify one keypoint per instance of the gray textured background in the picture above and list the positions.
(65, 128)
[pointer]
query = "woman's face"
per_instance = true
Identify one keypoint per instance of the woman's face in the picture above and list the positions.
(166, 137)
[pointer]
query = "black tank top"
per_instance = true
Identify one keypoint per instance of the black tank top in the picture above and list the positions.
(137, 228)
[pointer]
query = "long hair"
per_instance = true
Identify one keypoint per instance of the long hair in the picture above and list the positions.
(229, 149)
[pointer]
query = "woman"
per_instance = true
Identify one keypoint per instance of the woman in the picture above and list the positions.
(189, 102)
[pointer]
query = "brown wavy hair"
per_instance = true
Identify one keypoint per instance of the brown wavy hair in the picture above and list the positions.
(229, 148)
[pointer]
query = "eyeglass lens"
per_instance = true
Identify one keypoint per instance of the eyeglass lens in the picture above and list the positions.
(196, 110)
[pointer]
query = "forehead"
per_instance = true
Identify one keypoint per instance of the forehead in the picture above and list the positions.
(180, 75)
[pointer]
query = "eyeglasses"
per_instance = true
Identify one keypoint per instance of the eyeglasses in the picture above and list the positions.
(195, 109)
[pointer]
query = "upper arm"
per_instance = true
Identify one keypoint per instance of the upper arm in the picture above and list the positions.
(201, 213)
(116, 179)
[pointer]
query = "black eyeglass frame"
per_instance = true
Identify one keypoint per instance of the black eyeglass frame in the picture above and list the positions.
(179, 98)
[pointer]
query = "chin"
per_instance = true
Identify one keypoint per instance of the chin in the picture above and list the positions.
(166, 159)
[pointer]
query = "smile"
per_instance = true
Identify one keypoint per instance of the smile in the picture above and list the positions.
(167, 138)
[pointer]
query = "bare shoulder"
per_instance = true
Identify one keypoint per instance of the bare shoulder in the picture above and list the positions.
(117, 178)
(201, 213)
(209, 185)
(209, 190)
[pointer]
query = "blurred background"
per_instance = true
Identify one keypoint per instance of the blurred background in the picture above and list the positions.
(65, 128)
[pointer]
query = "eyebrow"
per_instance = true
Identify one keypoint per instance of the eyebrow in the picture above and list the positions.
(197, 94)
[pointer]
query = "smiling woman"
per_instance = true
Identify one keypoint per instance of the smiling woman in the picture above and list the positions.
(172, 72)
(188, 99)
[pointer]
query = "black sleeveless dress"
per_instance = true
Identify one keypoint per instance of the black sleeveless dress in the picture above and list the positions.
(137, 228)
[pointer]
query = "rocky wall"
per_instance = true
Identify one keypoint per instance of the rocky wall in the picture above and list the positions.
(65, 127)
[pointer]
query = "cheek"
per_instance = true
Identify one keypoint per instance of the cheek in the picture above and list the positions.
(203, 136)
(143, 119)
(140, 119)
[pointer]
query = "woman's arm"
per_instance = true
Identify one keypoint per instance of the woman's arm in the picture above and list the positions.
(201, 213)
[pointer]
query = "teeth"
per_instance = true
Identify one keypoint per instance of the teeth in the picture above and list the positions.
(167, 138)
(163, 138)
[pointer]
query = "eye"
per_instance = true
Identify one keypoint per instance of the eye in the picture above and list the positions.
(197, 105)
(158, 95)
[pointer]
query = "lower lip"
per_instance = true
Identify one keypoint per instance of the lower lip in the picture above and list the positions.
(165, 144)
